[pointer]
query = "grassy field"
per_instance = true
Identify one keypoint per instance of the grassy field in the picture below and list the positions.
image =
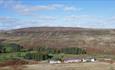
(71, 66)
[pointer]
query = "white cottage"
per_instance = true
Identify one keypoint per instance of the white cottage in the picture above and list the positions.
(54, 62)
(93, 60)
(72, 60)
(88, 60)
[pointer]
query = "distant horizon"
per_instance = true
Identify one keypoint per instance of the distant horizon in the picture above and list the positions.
(97, 14)
(56, 27)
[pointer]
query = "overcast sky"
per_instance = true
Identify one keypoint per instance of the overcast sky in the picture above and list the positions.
(64, 13)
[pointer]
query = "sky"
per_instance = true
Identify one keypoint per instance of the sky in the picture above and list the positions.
(57, 13)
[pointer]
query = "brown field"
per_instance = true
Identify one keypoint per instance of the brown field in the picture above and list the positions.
(71, 66)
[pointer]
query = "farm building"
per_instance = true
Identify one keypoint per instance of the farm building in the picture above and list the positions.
(72, 60)
(54, 61)
(88, 60)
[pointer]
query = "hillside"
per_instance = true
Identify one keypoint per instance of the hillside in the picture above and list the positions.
(94, 40)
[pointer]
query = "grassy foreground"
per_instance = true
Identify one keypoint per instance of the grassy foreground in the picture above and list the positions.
(71, 66)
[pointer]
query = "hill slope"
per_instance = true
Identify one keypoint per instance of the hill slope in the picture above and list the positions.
(94, 40)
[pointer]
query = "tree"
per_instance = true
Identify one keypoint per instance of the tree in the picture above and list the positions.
(10, 47)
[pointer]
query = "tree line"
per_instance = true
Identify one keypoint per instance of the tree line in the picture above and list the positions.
(38, 53)
(10, 47)
(66, 50)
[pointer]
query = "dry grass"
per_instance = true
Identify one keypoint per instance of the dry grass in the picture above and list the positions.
(94, 40)
(71, 66)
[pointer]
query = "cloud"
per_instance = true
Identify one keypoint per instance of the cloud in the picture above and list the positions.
(26, 9)
(14, 23)
(69, 21)
(71, 9)
(110, 20)
(90, 21)
(9, 3)
(7, 19)
(83, 17)
(1, 1)
(50, 7)
(79, 16)
(42, 17)
(9, 22)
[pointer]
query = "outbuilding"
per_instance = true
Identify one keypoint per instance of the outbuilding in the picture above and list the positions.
(54, 61)
(72, 60)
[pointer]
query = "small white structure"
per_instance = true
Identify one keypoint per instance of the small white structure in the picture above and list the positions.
(88, 60)
(54, 62)
(72, 60)
(84, 60)
(93, 60)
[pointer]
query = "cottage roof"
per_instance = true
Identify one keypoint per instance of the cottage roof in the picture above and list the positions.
(72, 59)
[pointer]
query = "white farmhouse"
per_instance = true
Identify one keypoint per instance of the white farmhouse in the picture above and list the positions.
(54, 62)
(93, 60)
(88, 60)
(72, 60)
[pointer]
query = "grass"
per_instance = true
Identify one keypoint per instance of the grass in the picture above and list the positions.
(10, 56)
(71, 66)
